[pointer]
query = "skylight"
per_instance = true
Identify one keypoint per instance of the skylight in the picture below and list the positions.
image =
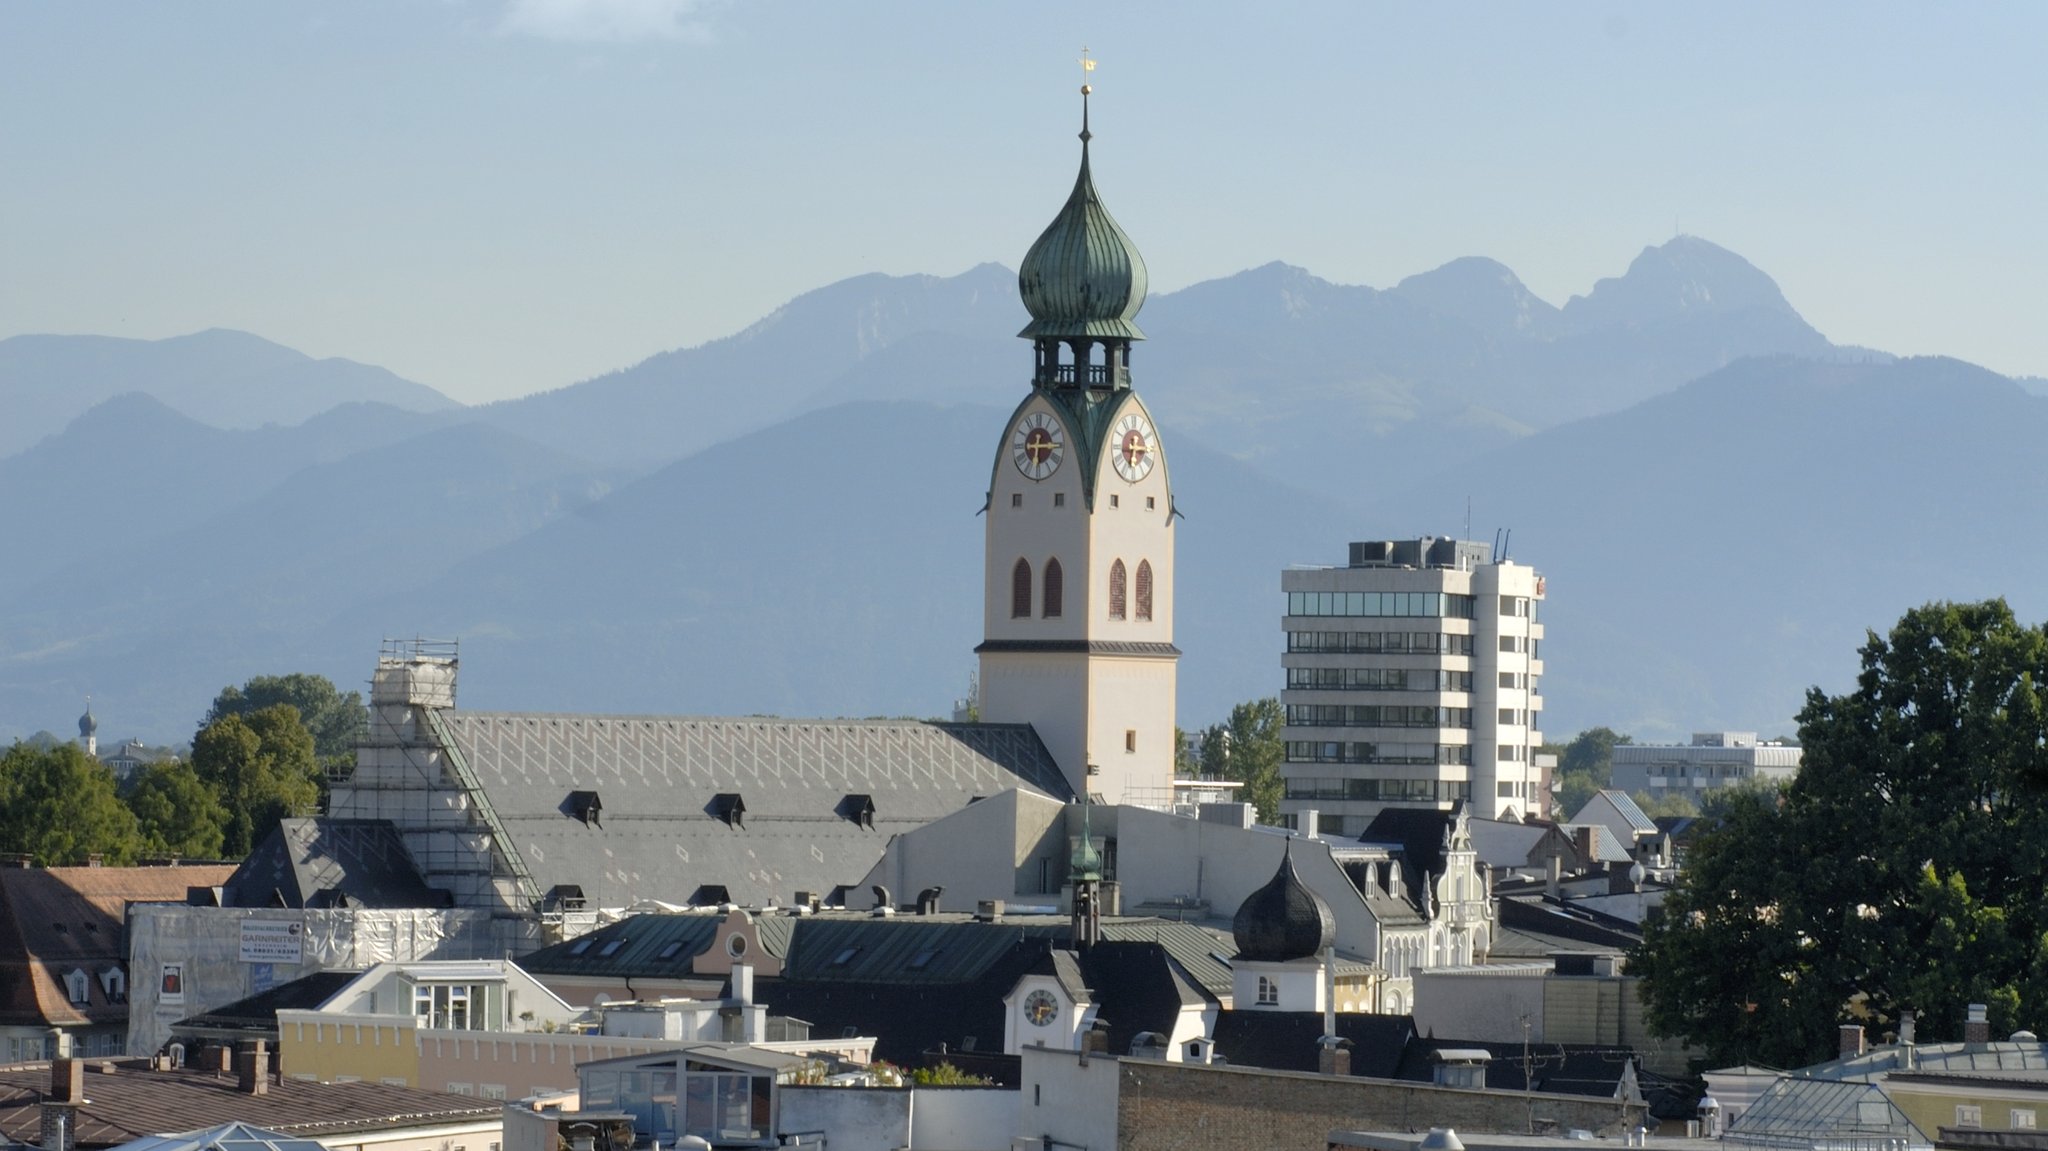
(923, 959)
(845, 957)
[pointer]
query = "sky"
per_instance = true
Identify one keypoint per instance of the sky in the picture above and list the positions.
(496, 197)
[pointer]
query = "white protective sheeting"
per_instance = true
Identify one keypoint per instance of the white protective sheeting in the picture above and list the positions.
(203, 947)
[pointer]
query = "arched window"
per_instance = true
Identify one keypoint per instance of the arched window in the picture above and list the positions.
(1269, 992)
(1020, 590)
(1144, 589)
(1055, 589)
(1116, 590)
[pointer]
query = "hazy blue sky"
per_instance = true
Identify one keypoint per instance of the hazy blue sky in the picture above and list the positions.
(499, 197)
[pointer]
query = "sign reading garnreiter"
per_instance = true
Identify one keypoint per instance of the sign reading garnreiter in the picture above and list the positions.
(272, 941)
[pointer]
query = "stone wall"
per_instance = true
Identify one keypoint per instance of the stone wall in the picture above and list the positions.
(1192, 1107)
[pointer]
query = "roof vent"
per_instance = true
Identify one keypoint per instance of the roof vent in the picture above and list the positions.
(728, 806)
(1441, 1139)
(858, 809)
(585, 805)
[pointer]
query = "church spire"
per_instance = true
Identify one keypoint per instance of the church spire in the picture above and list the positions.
(1083, 282)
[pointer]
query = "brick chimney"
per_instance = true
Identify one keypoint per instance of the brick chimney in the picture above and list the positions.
(1977, 1025)
(252, 1067)
(1849, 1041)
(67, 1080)
(59, 1111)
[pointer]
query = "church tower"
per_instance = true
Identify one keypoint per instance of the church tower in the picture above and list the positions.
(1078, 617)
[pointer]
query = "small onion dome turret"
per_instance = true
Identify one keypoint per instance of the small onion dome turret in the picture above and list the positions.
(1284, 920)
(87, 725)
(1085, 866)
(1083, 279)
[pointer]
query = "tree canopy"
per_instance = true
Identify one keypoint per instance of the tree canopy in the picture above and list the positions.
(1901, 870)
(57, 805)
(263, 769)
(1584, 766)
(176, 813)
(1247, 747)
(337, 722)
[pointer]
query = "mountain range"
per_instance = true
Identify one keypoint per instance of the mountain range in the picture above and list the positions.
(784, 521)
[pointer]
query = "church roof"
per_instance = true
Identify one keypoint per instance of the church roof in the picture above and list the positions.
(1284, 920)
(715, 809)
(1084, 276)
(323, 862)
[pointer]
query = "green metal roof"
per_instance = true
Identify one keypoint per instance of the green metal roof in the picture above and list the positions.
(1084, 277)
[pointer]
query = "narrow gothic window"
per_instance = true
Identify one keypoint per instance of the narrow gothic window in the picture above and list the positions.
(1144, 589)
(1116, 590)
(1055, 590)
(1020, 590)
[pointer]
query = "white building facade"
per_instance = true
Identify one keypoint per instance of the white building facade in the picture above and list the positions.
(1713, 760)
(1413, 679)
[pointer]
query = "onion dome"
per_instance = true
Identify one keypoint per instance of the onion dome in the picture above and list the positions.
(1085, 865)
(1284, 920)
(1084, 277)
(87, 725)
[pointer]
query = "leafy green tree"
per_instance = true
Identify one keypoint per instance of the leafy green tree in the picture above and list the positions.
(338, 722)
(1670, 804)
(1574, 790)
(263, 768)
(58, 806)
(1592, 752)
(1900, 870)
(1247, 747)
(176, 812)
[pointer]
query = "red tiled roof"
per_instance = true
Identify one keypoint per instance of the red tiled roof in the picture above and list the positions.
(57, 919)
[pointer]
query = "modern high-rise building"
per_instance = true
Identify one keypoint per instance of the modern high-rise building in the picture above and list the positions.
(1412, 681)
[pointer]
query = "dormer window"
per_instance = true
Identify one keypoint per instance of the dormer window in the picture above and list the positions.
(585, 805)
(859, 809)
(78, 987)
(114, 982)
(728, 806)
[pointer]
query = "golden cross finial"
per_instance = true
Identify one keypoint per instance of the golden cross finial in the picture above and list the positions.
(1087, 66)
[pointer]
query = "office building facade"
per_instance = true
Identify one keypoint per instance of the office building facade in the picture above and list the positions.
(1413, 679)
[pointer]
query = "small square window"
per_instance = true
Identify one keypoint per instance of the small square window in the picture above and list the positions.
(1059, 499)
(1113, 501)
(2023, 1118)
(1969, 1115)
(1150, 503)
(1016, 499)
(1130, 739)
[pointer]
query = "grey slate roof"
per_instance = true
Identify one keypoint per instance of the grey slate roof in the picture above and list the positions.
(664, 826)
(257, 1014)
(322, 862)
(814, 948)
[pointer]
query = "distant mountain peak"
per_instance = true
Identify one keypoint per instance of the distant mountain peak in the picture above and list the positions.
(1685, 274)
(1481, 292)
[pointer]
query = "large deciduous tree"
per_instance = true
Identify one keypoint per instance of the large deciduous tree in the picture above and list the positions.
(264, 769)
(1247, 747)
(176, 812)
(338, 721)
(58, 806)
(1900, 871)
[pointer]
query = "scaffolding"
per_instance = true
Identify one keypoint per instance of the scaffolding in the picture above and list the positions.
(410, 772)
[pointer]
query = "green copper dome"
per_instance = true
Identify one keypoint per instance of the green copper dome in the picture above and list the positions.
(1084, 277)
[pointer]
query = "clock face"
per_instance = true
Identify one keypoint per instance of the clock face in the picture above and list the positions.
(1037, 445)
(1041, 1008)
(1133, 449)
